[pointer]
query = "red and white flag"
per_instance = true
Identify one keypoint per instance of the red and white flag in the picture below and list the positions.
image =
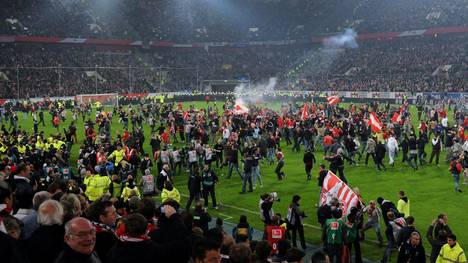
(305, 112)
(333, 100)
(186, 115)
(240, 109)
(396, 117)
(374, 122)
(334, 187)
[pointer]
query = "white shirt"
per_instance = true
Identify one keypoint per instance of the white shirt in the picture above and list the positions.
(192, 156)
(176, 156)
(208, 154)
(445, 122)
(392, 143)
(226, 134)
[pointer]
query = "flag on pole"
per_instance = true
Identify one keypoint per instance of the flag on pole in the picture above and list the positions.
(333, 100)
(396, 117)
(305, 112)
(334, 187)
(374, 122)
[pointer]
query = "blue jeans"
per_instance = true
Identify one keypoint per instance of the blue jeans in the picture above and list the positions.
(376, 226)
(271, 155)
(256, 175)
(388, 250)
(231, 166)
(456, 179)
(247, 179)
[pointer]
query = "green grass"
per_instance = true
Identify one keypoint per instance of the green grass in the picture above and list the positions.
(430, 189)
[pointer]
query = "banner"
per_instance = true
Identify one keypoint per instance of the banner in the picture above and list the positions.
(334, 187)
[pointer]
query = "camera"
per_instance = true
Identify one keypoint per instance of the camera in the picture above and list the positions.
(274, 196)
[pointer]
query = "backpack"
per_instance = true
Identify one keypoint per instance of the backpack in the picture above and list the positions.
(242, 231)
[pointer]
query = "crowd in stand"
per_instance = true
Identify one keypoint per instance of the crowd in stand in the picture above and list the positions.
(104, 210)
(198, 21)
(416, 65)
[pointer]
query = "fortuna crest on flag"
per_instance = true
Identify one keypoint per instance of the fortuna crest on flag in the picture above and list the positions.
(334, 187)
(305, 112)
(374, 122)
(333, 100)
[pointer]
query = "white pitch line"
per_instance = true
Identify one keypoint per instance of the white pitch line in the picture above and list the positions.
(227, 217)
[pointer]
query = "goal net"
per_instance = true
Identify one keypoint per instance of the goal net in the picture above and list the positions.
(107, 99)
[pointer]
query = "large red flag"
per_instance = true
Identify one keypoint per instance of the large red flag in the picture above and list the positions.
(334, 187)
(333, 100)
(374, 122)
(305, 112)
(396, 117)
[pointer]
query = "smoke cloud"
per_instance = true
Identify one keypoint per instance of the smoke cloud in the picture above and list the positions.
(253, 93)
(345, 40)
(318, 61)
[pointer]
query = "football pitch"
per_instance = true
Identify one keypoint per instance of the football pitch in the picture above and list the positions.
(430, 188)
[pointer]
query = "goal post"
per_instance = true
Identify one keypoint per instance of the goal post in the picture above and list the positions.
(105, 99)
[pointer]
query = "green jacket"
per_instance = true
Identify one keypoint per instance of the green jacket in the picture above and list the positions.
(334, 231)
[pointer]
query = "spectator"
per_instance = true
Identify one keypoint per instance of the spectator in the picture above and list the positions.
(206, 251)
(201, 218)
(30, 221)
(295, 255)
(71, 207)
(102, 215)
(243, 229)
(412, 250)
(240, 253)
(296, 217)
(80, 239)
(23, 191)
(49, 236)
(135, 245)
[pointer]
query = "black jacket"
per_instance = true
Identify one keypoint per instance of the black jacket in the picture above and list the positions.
(68, 255)
(436, 243)
(410, 254)
(173, 234)
(105, 240)
(405, 234)
(24, 192)
(9, 250)
(162, 177)
(201, 219)
(322, 174)
(387, 206)
(194, 184)
(209, 179)
(142, 252)
(380, 151)
(309, 158)
(45, 244)
(323, 213)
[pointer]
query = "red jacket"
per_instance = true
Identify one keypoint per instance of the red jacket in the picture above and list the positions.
(455, 167)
